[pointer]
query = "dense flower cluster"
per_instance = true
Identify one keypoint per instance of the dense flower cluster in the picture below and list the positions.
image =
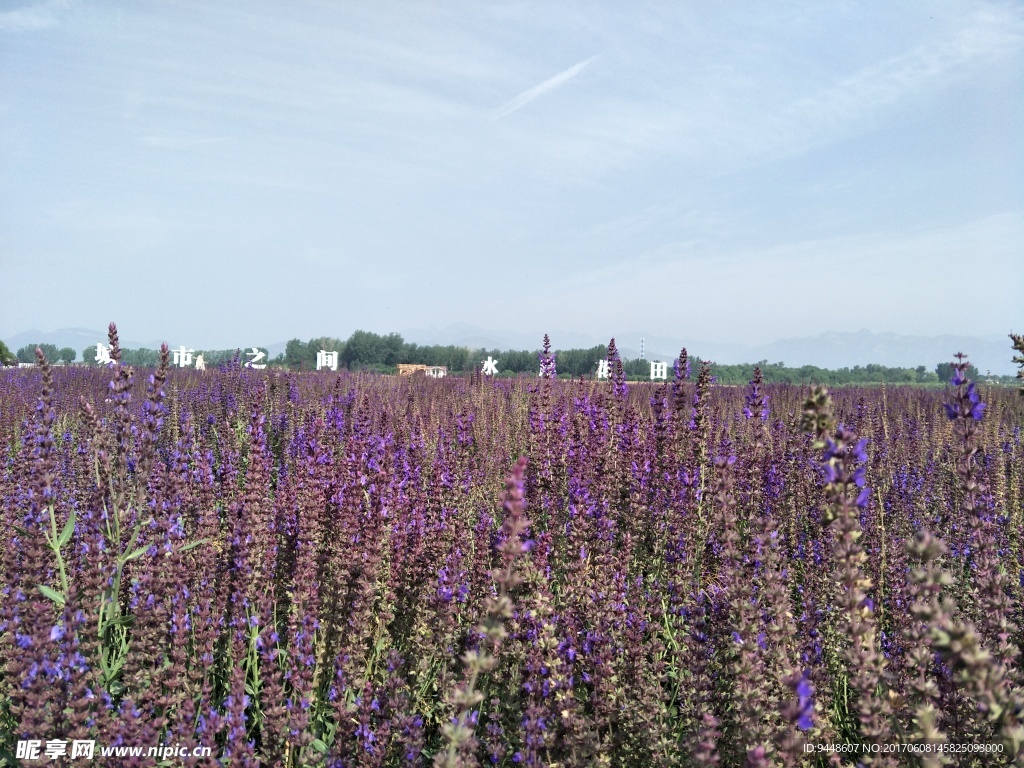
(546, 358)
(338, 569)
(756, 401)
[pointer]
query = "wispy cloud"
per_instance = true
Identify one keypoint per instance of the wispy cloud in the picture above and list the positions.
(736, 114)
(851, 103)
(32, 17)
(990, 36)
(518, 102)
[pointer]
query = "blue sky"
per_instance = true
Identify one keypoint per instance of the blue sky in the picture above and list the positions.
(238, 173)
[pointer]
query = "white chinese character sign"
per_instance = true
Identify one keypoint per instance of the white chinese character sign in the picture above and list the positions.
(659, 370)
(602, 369)
(490, 366)
(56, 748)
(103, 354)
(183, 357)
(254, 357)
(28, 749)
(83, 748)
(200, 363)
(325, 359)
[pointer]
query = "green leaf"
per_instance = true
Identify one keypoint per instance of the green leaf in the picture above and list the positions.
(194, 544)
(53, 594)
(126, 620)
(68, 532)
(137, 553)
(318, 745)
(135, 535)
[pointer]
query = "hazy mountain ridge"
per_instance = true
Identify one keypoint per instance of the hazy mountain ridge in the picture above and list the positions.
(837, 350)
(831, 349)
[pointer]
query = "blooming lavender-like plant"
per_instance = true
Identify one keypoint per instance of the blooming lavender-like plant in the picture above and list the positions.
(990, 681)
(681, 366)
(458, 734)
(926, 582)
(706, 753)
(681, 373)
(747, 665)
(756, 402)
(29, 618)
(548, 369)
(966, 410)
(700, 423)
(846, 494)
(615, 371)
(799, 713)
(351, 555)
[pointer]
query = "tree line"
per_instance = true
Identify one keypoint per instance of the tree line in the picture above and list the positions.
(779, 373)
(365, 350)
(27, 354)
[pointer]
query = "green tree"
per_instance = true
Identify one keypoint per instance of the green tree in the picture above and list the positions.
(518, 361)
(363, 348)
(945, 372)
(140, 358)
(391, 349)
(295, 353)
(89, 355)
(327, 344)
(6, 356)
(460, 359)
(580, 362)
(67, 355)
(27, 354)
(50, 350)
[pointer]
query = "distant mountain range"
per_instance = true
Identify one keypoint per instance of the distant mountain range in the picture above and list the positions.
(840, 350)
(826, 350)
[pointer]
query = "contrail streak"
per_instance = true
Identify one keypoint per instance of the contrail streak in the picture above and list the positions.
(518, 102)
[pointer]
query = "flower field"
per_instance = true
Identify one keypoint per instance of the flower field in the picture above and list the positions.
(358, 570)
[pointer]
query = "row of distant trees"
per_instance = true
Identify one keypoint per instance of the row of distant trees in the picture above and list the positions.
(27, 354)
(364, 350)
(779, 373)
(137, 358)
(150, 358)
